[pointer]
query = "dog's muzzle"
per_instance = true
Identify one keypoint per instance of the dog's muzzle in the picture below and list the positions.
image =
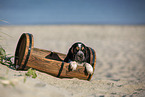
(80, 57)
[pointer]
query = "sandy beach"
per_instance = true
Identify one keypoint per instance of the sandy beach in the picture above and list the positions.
(119, 72)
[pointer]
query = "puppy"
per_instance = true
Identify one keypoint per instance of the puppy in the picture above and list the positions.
(78, 55)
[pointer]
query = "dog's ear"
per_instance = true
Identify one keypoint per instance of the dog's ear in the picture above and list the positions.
(86, 54)
(85, 48)
(71, 50)
(69, 55)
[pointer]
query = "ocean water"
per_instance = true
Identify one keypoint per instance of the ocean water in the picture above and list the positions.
(37, 12)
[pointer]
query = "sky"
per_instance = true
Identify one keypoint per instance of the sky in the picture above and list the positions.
(42, 12)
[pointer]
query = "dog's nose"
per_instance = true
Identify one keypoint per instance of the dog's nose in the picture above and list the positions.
(81, 55)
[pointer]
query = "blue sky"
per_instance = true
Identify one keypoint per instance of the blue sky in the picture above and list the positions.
(36, 12)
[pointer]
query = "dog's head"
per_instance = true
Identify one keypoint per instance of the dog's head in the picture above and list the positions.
(78, 51)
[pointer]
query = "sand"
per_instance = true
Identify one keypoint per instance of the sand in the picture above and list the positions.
(120, 68)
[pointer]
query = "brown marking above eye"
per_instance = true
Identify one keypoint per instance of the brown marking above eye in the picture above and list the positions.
(77, 48)
(82, 48)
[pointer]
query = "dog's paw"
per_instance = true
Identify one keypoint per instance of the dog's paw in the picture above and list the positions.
(73, 65)
(89, 68)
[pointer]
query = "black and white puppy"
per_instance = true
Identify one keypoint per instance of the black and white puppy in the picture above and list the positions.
(78, 55)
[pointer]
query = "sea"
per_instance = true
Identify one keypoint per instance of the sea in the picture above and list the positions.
(43, 12)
